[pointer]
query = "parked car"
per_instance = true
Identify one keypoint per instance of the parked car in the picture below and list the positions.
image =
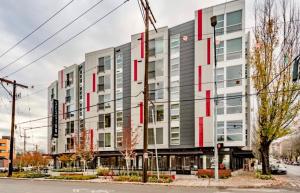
(278, 169)
(3, 169)
(296, 163)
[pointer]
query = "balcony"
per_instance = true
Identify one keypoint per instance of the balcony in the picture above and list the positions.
(100, 69)
(68, 99)
(100, 87)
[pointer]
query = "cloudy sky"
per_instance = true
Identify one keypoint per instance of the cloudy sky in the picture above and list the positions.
(19, 18)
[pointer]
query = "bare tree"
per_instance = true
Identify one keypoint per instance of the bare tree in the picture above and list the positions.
(276, 45)
(128, 146)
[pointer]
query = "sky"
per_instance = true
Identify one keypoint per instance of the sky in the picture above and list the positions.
(18, 18)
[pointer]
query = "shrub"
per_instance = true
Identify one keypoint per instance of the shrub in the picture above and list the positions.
(102, 171)
(259, 175)
(68, 170)
(73, 177)
(26, 175)
(209, 173)
(121, 178)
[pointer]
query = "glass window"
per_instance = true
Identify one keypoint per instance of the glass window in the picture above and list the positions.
(220, 25)
(101, 121)
(119, 80)
(119, 100)
(151, 88)
(107, 140)
(107, 120)
(151, 114)
(220, 51)
(234, 21)
(175, 52)
(107, 101)
(101, 140)
(101, 64)
(119, 139)
(175, 90)
(101, 102)
(159, 136)
(234, 76)
(159, 45)
(119, 119)
(175, 67)
(101, 83)
(175, 112)
(175, 136)
(159, 113)
(150, 136)
(234, 130)
(234, 49)
(220, 77)
(220, 131)
(151, 70)
(152, 47)
(234, 103)
(159, 68)
(107, 82)
(220, 107)
(160, 90)
(107, 63)
(119, 60)
(175, 41)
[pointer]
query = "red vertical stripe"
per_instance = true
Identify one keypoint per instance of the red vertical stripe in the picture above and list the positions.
(135, 70)
(141, 112)
(200, 24)
(208, 103)
(87, 102)
(91, 139)
(94, 82)
(208, 50)
(199, 78)
(142, 45)
(62, 78)
(200, 131)
(63, 110)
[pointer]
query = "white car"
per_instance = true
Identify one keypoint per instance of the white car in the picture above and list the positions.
(3, 169)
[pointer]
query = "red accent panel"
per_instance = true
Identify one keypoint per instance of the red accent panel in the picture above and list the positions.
(201, 131)
(62, 78)
(135, 70)
(63, 110)
(208, 103)
(200, 30)
(94, 82)
(87, 102)
(141, 112)
(208, 50)
(199, 78)
(91, 139)
(142, 45)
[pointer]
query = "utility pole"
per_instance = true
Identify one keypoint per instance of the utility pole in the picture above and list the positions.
(12, 131)
(148, 19)
(24, 142)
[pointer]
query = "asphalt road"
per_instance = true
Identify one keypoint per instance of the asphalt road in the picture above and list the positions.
(293, 174)
(33, 186)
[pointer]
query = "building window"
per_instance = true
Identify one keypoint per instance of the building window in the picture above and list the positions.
(174, 90)
(70, 143)
(234, 49)
(159, 136)
(101, 83)
(69, 79)
(2, 144)
(107, 101)
(107, 120)
(156, 46)
(175, 67)
(107, 82)
(175, 112)
(220, 25)
(100, 65)
(100, 102)
(156, 69)
(70, 127)
(220, 131)
(119, 139)
(234, 103)
(220, 77)
(234, 21)
(119, 80)
(234, 76)
(220, 106)
(104, 140)
(101, 121)
(220, 51)
(119, 100)
(235, 130)
(119, 119)
(159, 113)
(159, 90)
(151, 88)
(107, 63)
(175, 136)
(70, 111)
(119, 60)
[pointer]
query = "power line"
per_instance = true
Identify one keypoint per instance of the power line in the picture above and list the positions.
(54, 34)
(41, 25)
(71, 38)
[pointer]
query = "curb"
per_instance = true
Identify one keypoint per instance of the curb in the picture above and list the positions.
(159, 184)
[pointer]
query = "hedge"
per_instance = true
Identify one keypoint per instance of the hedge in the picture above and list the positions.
(210, 173)
(73, 177)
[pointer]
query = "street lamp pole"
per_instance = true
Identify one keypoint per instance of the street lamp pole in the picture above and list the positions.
(213, 21)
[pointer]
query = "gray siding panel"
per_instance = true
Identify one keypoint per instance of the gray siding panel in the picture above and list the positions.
(187, 63)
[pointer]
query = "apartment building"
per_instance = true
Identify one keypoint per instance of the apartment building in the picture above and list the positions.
(4, 151)
(104, 95)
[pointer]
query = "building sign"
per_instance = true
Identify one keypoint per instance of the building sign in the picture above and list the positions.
(55, 118)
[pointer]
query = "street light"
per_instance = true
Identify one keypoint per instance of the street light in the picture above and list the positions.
(213, 22)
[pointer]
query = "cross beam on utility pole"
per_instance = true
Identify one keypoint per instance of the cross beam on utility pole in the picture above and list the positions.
(149, 18)
(11, 147)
